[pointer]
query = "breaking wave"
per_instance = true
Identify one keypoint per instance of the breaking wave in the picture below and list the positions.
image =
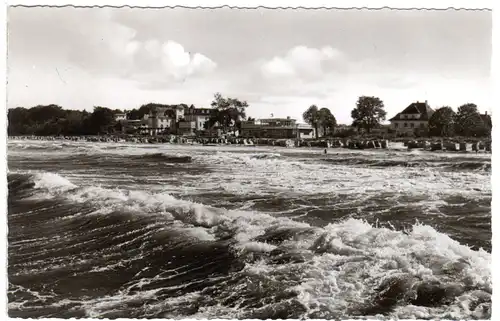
(165, 158)
(28, 146)
(172, 257)
(438, 163)
(265, 156)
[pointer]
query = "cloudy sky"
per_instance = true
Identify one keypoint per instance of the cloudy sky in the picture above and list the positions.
(280, 61)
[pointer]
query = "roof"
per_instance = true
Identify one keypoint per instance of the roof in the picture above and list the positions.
(199, 111)
(416, 108)
(277, 119)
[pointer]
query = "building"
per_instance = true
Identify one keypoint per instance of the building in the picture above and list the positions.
(120, 117)
(159, 121)
(198, 115)
(178, 119)
(132, 126)
(414, 119)
(186, 128)
(305, 131)
(164, 119)
(276, 128)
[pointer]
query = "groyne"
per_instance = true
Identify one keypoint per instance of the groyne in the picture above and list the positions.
(449, 145)
(361, 144)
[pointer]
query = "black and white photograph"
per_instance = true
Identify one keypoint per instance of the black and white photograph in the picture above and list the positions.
(248, 163)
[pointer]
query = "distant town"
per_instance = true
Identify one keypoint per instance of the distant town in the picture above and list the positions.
(227, 117)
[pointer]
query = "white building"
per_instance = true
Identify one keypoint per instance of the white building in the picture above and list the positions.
(413, 119)
(198, 115)
(276, 128)
(120, 117)
(161, 119)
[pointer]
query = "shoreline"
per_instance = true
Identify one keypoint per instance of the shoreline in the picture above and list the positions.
(431, 145)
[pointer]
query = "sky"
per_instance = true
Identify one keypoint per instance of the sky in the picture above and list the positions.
(279, 61)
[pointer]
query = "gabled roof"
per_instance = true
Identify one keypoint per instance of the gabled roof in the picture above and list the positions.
(416, 108)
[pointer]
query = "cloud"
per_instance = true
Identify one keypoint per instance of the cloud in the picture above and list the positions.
(302, 62)
(180, 63)
(95, 42)
(165, 62)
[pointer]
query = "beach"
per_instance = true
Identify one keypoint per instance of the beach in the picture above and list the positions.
(118, 229)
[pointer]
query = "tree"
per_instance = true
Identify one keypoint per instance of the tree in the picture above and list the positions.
(102, 120)
(312, 117)
(368, 114)
(42, 114)
(19, 121)
(326, 120)
(74, 121)
(135, 114)
(44, 120)
(468, 121)
(228, 112)
(442, 122)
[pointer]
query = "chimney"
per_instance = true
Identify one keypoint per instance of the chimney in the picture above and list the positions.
(486, 113)
(287, 117)
(426, 101)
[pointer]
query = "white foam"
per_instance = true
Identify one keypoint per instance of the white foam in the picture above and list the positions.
(199, 233)
(290, 175)
(350, 259)
(256, 247)
(52, 182)
(358, 256)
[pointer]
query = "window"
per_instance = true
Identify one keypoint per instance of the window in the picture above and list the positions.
(406, 124)
(422, 125)
(412, 125)
(396, 125)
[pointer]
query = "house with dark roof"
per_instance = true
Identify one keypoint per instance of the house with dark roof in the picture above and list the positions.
(413, 119)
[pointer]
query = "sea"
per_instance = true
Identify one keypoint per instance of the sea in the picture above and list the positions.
(123, 230)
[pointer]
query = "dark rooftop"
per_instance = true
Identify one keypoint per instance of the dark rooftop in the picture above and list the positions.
(416, 108)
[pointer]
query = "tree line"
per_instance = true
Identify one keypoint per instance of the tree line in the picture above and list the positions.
(369, 114)
(467, 121)
(53, 120)
(228, 113)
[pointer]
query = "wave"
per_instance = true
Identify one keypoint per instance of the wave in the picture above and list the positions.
(265, 156)
(439, 163)
(165, 158)
(256, 265)
(28, 146)
(471, 165)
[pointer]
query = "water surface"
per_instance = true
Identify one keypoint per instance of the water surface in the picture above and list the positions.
(153, 231)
